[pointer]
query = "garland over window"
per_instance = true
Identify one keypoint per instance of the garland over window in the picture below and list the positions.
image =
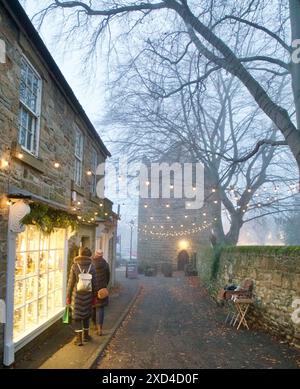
(47, 218)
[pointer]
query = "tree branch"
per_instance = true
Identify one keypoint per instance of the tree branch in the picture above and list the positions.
(182, 86)
(257, 147)
(258, 27)
(266, 59)
(109, 12)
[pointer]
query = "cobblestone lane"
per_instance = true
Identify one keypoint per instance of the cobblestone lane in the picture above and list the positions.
(174, 324)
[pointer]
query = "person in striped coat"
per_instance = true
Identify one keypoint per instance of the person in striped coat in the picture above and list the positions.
(81, 302)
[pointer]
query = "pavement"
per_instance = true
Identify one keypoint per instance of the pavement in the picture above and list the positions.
(175, 324)
(58, 351)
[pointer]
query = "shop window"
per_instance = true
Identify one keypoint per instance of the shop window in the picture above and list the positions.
(29, 112)
(38, 293)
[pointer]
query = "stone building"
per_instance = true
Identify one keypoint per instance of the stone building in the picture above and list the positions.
(169, 229)
(49, 151)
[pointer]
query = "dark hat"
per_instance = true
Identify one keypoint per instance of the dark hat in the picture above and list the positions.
(85, 252)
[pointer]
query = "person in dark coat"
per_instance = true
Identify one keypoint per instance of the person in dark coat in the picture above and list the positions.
(103, 277)
(81, 302)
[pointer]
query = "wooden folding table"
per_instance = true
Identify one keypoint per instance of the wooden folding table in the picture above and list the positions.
(242, 305)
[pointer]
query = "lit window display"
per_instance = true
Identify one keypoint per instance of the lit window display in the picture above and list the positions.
(38, 293)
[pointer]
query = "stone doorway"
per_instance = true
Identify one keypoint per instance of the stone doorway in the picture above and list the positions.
(182, 259)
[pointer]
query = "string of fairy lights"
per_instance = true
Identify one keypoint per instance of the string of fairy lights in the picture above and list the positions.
(265, 197)
(77, 207)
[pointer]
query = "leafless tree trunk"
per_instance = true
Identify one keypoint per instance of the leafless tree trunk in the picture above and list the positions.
(295, 67)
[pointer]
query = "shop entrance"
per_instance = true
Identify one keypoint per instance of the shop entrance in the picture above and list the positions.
(182, 259)
(86, 241)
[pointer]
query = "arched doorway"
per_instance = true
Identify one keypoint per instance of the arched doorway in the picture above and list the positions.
(182, 259)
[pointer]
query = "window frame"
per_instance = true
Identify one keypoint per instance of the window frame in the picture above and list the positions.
(95, 158)
(35, 115)
(78, 157)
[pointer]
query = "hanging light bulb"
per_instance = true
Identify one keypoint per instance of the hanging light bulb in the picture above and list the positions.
(20, 155)
(89, 172)
(4, 163)
(56, 165)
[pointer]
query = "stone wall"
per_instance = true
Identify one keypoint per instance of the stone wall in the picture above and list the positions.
(276, 275)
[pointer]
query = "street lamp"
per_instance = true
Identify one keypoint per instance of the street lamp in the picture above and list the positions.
(131, 223)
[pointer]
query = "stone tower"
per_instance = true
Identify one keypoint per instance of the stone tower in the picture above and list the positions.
(169, 229)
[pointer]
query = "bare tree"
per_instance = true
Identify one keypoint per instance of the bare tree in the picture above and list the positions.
(210, 26)
(214, 125)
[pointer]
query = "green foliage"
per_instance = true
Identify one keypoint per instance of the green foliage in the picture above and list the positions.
(47, 218)
(216, 256)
